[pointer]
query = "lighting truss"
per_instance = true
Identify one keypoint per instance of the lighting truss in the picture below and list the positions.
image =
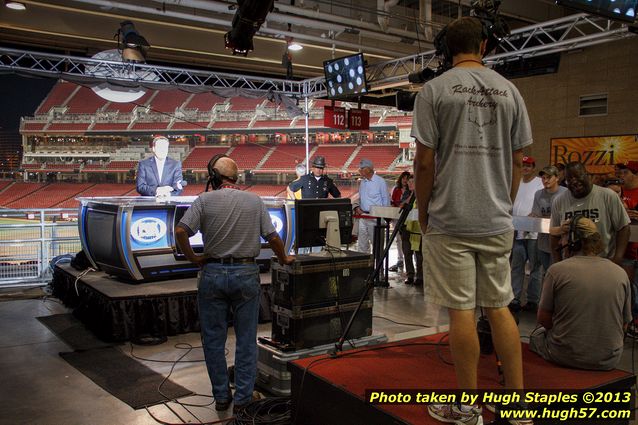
(571, 32)
(78, 70)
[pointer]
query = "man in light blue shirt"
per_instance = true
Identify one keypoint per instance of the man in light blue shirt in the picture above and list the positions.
(372, 191)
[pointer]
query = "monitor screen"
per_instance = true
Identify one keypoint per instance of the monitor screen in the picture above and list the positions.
(345, 77)
(308, 229)
(196, 241)
(149, 229)
(100, 235)
(624, 10)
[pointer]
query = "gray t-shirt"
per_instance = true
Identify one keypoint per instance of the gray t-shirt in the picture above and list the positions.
(602, 206)
(543, 208)
(474, 119)
(231, 222)
(590, 298)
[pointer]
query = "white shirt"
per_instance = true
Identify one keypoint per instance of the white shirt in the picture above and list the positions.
(525, 201)
(160, 167)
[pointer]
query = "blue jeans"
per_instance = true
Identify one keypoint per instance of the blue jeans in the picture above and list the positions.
(224, 289)
(546, 260)
(523, 250)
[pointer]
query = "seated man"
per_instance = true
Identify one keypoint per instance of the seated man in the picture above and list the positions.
(585, 305)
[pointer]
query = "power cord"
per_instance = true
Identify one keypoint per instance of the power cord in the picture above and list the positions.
(184, 405)
(80, 276)
(268, 411)
(418, 325)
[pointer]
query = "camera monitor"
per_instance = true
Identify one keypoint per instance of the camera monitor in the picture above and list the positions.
(345, 77)
(323, 222)
(622, 10)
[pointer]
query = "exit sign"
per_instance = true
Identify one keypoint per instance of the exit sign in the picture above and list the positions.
(334, 117)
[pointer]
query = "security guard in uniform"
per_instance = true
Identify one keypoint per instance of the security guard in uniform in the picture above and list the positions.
(315, 185)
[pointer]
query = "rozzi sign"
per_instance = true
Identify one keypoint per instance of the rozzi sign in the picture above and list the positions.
(598, 154)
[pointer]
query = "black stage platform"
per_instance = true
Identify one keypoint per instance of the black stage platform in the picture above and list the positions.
(118, 311)
(331, 391)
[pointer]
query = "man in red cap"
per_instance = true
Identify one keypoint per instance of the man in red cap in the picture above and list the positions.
(628, 173)
(525, 248)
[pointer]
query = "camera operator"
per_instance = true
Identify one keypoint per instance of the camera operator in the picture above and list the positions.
(471, 125)
(231, 222)
(585, 305)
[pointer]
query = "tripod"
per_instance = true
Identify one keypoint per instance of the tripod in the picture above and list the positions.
(371, 277)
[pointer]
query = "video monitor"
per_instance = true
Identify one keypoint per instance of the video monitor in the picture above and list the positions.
(101, 239)
(317, 219)
(196, 241)
(345, 77)
(622, 10)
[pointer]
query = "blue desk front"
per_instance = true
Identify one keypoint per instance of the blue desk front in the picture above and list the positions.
(133, 238)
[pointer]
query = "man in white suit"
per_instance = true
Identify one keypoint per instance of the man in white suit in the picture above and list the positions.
(159, 175)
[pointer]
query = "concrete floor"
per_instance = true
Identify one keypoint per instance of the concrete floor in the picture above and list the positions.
(39, 387)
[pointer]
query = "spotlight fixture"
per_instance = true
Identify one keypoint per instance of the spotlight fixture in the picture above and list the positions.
(249, 17)
(131, 43)
(15, 5)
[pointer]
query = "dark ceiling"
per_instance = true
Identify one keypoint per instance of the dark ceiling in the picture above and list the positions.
(190, 33)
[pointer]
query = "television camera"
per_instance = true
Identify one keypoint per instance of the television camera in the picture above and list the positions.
(494, 30)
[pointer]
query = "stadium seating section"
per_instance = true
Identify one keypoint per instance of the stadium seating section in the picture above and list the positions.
(71, 111)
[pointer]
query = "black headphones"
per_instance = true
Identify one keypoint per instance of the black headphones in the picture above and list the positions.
(574, 242)
(215, 179)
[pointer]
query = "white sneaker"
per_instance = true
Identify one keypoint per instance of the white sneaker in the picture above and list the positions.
(451, 413)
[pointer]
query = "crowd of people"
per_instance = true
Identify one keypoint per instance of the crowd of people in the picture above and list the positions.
(470, 178)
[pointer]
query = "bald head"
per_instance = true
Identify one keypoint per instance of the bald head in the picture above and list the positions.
(227, 168)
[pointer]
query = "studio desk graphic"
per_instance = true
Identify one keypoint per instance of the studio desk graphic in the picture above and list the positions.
(133, 237)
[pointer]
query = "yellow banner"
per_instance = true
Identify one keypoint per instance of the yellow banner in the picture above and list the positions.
(599, 154)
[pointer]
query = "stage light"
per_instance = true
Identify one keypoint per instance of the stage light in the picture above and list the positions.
(15, 5)
(132, 44)
(249, 17)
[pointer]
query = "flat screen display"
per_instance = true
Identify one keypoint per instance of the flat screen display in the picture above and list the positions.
(278, 218)
(624, 10)
(196, 241)
(100, 237)
(345, 77)
(308, 231)
(149, 229)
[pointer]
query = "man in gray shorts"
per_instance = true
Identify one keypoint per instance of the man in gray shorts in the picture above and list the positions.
(471, 125)
(231, 222)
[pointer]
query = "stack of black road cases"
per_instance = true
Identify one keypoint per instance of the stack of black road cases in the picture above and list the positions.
(314, 297)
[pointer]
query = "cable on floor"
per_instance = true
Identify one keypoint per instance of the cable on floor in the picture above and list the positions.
(401, 323)
(267, 411)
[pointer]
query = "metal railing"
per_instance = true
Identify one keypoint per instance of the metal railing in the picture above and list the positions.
(30, 239)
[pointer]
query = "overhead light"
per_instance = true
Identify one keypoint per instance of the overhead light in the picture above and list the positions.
(249, 17)
(132, 44)
(293, 46)
(15, 5)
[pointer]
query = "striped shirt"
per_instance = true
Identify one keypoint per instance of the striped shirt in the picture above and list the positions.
(231, 222)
